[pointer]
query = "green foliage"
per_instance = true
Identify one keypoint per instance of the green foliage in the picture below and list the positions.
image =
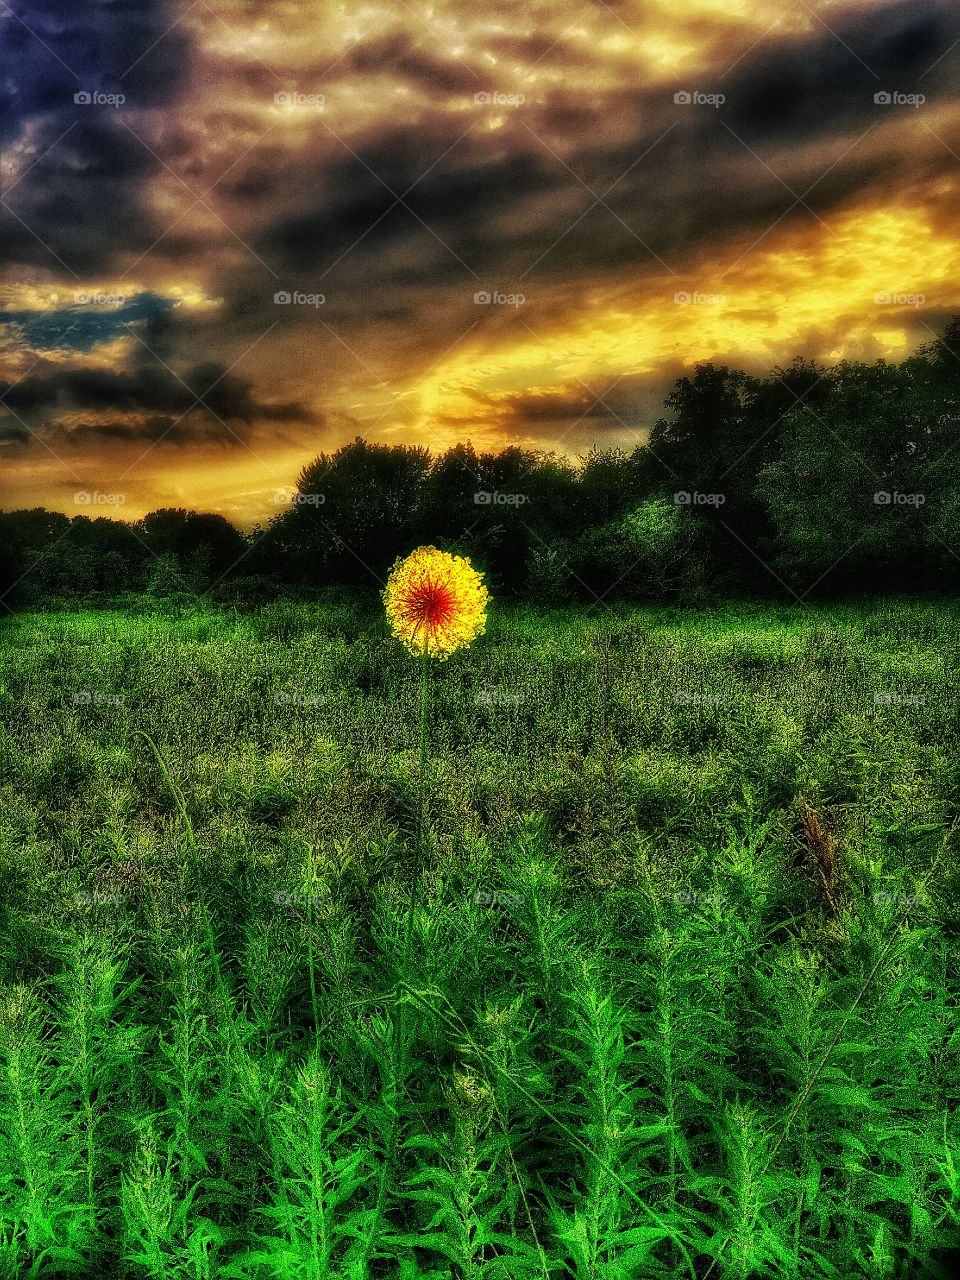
(678, 996)
(651, 552)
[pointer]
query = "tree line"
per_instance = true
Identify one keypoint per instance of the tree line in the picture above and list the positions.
(813, 478)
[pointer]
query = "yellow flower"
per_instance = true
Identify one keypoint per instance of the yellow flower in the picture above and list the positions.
(435, 602)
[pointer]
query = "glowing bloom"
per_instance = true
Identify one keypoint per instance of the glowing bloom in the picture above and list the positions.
(435, 602)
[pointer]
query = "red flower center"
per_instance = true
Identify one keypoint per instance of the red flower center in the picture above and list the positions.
(430, 605)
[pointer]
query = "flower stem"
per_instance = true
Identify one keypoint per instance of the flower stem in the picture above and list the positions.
(310, 960)
(424, 730)
(421, 835)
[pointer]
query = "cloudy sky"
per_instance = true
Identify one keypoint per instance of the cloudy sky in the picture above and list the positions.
(236, 234)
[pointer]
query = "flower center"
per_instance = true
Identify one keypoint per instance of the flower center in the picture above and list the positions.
(430, 605)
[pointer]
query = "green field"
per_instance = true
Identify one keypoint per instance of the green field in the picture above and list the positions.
(660, 980)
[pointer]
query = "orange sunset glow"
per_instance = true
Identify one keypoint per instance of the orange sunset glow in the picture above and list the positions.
(235, 236)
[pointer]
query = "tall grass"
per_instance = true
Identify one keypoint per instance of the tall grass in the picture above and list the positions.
(676, 994)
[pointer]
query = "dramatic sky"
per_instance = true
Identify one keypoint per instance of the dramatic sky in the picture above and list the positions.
(640, 185)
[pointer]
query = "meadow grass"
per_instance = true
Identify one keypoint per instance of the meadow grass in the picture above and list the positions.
(680, 993)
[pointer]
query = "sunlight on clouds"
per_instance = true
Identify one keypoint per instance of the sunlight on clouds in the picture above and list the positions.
(103, 295)
(190, 298)
(895, 341)
(823, 280)
(296, 120)
(107, 355)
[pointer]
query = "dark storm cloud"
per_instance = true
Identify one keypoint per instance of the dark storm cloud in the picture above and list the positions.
(79, 199)
(81, 202)
(798, 101)
(553, 406)
(157, 427)
(508, 202)
(146, 388)
(192, 430)
(311, 205)
(356, 199)
(478, 206)
(608, 404)
(804, 87)
(50, 50)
